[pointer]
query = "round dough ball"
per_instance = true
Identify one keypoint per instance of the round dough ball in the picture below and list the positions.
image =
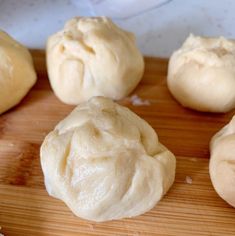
(222, 162)
(201, 74)
(93, 57)
(17, 73)
(105, 162)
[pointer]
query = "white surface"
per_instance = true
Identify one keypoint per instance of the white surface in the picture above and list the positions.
(159, 31)
(119, 8)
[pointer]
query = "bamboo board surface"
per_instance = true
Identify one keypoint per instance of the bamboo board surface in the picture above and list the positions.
(187, 209)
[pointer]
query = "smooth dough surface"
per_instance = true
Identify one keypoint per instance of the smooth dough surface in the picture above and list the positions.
(201, 74)
(93, 57)
(17, 73)
(222, 162)
(105, 162)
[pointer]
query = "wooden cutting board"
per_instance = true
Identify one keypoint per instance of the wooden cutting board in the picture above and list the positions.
(191, 207)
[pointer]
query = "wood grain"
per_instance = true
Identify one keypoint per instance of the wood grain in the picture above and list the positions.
(187, 209)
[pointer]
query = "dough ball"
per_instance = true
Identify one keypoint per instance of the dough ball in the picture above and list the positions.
(17, 73)
(201, 74)
(222, 162)
(105, 162)
(93, 57)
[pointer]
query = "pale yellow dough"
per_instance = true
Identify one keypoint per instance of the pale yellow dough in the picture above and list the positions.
(201, 74)
(93, 57)
(222, 162)
(17, 73)
(105, 162)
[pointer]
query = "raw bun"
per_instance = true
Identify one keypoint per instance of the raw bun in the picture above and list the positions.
(201, 74)
(105, 162)
(17, 73)
(93, 57)
(222, 162)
